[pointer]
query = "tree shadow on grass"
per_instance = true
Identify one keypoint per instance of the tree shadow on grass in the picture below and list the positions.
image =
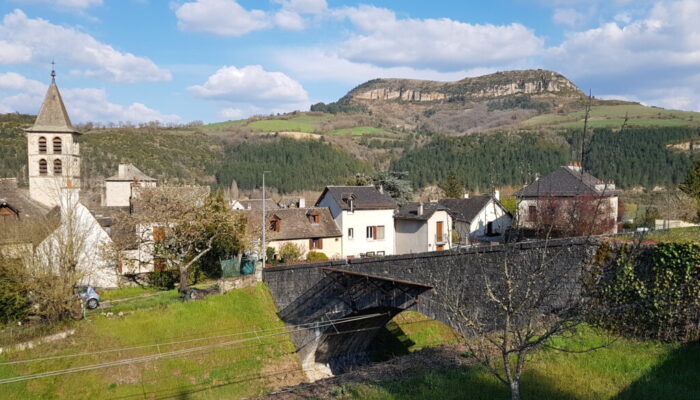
(391, 341)
(676, 378)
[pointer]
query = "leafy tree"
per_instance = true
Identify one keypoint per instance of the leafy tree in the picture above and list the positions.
(452, 187)
(691, 184)
(289, 252)
(396, 185)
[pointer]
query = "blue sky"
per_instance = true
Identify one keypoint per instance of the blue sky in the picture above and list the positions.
(212, 60)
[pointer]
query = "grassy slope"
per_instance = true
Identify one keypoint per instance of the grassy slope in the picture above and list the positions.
(361, 130)
(299, 123)
(235, 371)
(626, 370)
(612, 116)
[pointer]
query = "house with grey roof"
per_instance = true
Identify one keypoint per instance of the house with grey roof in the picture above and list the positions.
(365, 216)
(119, 189)
(568, 202)
(422, 227)
(309, 229)
(479, 218)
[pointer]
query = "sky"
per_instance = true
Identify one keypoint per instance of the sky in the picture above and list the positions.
(178, 61)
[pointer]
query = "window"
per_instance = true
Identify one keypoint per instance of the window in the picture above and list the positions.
(42, 145)
(57, 167)
(158, 234)
(375, 232)
(351, 233)
(57, 145)
(313, 218)
(275, 224)
(315, 244)
(43, 167)
(532, 213)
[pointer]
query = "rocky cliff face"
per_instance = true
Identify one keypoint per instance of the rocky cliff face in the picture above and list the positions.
(501, 84)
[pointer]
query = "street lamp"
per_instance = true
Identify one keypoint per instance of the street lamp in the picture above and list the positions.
(264, 225)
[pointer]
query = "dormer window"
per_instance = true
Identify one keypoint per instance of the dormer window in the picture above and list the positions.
(313, 219)
(275, 223)
(349, 199)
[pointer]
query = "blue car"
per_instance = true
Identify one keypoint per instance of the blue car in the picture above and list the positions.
(89, 295)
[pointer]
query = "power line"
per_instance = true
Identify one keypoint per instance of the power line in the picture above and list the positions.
(308, 324)
(176, 353)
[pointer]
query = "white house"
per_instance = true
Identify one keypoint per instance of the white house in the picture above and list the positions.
(422, 227)
(480, 218)
(119, 189)
(365, 217)
(81, 238)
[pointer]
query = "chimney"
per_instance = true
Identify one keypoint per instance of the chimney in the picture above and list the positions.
(381, 189)
(466, 195)
(420, 208)
(575, 166)
(122, 170)
(497, 193)
(302, 202)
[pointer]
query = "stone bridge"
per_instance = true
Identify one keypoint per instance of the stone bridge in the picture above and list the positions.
(371, 291)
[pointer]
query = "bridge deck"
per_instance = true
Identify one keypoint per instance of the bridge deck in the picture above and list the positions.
(375, 277)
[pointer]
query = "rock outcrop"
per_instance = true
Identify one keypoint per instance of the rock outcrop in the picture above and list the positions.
(500, 84)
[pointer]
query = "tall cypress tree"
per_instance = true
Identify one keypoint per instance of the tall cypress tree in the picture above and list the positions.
(691, 184)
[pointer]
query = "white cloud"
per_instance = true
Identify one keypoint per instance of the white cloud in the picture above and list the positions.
(14, 53)
(289, 20)
(320, 65)
(220, 17)
(655, 58)
(38, 40)
(252, 90)
(249, 84)
(74, 4)
(568, 16)
(304, 6)
(440, 44)
(20, 94)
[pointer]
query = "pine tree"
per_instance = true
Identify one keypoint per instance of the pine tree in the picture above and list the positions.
(452, 187)
(691, 184)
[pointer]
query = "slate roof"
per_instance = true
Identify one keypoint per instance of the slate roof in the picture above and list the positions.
(295, 224)
(564, 182)
(130, 173)
(53, 116)
(465, 210)
(19, 201)
(364, 197)
(410, 211)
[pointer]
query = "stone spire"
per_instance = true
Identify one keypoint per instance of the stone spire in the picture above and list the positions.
(52, 115)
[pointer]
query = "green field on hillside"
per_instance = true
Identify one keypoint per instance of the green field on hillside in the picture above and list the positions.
(627, 369)
(361, 130)
(613, 117)
(222, 126)
(239, 370)
(299, 123)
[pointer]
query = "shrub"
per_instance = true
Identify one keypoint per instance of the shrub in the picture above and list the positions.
(316, 256)
(13, 292)
(289, 252)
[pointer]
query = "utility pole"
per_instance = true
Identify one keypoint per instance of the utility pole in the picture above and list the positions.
(263, 250)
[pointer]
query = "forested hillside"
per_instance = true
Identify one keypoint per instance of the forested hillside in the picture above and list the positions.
(13, 145)
(293, 165)
(483, 161)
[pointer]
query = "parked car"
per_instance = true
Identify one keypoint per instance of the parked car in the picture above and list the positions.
(89, 295)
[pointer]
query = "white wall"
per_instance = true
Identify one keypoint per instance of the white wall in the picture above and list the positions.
(432, 230)
(359, 220)
(118, 193)
(411, 236)
(492, 212)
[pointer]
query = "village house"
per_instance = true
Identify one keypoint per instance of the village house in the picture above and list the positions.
(479, 218)
(254, 204)
(365, 217)
(422, 227)
(119, 189)
(568, 202)
(19, 215)
(309, 229)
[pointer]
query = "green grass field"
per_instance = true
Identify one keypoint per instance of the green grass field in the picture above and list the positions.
(299, 123)
(240, 370)
(613, 117)
(222, 126)
(627, 369)
(683, 235)
(361, 130)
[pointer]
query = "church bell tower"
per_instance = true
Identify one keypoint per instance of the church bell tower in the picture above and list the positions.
(53, 149)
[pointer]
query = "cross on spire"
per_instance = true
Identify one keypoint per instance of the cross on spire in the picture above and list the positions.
(53, 72)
